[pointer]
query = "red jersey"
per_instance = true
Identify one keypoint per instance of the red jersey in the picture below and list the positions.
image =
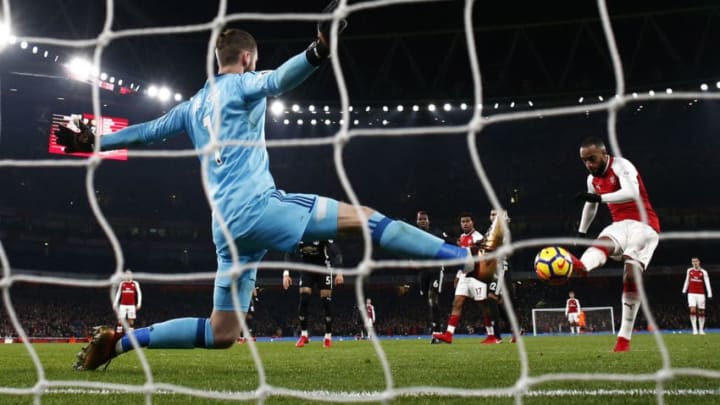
(129, 294)
(609, 182)
(697, 282)
(370, 312)
(470, 239)
(572, 306)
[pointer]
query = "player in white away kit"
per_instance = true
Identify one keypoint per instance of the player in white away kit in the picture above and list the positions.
(242, 192)
(128, 301)
(572, 312)
(615, 182)
(697, 285)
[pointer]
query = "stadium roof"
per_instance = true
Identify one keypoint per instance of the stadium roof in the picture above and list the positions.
(413, 50)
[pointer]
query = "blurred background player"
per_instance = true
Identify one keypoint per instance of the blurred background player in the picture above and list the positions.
(617, 183)
(250, 316)
(496, 293)
(697, 286)
(572, 313)
(370, 311)
(431, 279)
(321, 253)
(128, 301)
(466, 284)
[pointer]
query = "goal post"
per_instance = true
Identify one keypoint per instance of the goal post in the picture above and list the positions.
(596, 316)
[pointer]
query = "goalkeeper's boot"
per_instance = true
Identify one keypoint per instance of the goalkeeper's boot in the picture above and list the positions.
(302, 341)
(445, 337)
(622, 345)
(327, 343)
(100, 350)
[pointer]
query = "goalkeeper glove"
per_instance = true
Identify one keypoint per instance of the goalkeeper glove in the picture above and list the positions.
(319, 50)
(83, 141)
(588, 197)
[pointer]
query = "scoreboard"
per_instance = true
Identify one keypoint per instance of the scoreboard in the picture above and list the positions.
(104, 126)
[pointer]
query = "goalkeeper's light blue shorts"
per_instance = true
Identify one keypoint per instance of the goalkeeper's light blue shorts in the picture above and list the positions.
(287, 219)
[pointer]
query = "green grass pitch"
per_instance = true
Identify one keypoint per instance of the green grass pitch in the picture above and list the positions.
(353, 368)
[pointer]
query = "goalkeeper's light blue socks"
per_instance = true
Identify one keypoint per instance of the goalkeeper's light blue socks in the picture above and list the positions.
(181, 333)
(406, 240)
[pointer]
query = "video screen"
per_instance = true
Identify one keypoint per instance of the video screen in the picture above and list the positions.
(106, 125)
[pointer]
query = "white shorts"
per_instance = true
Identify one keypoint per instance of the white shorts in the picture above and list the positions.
(471, 287)
(126, 312)
(634, 239)
(696, 300)
(573, 317)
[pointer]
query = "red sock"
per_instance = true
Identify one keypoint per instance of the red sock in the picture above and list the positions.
(577, 264)
(453, 321)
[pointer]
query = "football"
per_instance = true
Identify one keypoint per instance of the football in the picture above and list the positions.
(553, 265)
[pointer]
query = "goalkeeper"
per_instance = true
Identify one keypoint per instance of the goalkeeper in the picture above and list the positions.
(258, 216)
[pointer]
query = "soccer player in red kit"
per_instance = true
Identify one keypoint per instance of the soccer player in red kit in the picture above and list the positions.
(616, 182)
(572, 313)
(128, 300)
(370, 311)
(697, 285)
(468, 285)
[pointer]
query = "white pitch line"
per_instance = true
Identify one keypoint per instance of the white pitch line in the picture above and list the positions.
(363, 394)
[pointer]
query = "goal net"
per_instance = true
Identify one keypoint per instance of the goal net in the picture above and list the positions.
(553, 320)
(483, 117)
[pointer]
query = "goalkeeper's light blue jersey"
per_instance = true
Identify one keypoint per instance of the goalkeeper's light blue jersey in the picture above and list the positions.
(239, 178)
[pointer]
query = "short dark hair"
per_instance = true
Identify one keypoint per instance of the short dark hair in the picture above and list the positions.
(592, 141)
(423, 212)
(231, 42)
(466, 215)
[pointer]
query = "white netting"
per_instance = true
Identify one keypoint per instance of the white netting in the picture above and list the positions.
(470, 130)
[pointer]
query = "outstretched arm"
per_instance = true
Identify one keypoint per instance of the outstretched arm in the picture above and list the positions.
(589, 211)
(169, 125)
(289, 75)
(295, 70)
